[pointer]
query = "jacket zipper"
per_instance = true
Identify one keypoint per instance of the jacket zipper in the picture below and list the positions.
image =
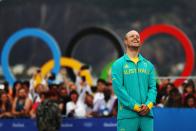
(138, 82)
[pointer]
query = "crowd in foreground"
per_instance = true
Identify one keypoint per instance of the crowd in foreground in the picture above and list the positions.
(78, 99)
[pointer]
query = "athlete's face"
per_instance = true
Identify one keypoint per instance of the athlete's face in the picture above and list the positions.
(132, 39)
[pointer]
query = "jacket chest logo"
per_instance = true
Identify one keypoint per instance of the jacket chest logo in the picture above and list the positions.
(126, 66)
(130, 71)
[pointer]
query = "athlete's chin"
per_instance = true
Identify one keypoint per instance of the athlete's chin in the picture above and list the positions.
(134, 46)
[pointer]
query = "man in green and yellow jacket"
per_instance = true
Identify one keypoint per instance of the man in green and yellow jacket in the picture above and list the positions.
(134, 83)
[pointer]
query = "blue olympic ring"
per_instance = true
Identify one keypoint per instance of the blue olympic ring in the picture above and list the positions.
(35, 32)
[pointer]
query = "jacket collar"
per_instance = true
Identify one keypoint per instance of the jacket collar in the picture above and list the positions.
(128, 59)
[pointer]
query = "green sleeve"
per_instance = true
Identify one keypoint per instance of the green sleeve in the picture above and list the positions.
(152, 91)
(119, 89)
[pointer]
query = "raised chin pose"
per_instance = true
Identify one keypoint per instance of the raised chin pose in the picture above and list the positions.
(134, 83)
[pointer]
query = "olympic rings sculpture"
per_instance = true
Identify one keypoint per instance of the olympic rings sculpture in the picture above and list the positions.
(35, 32)
(53, 45)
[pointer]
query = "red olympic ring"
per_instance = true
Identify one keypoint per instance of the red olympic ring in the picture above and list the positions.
(182, 38)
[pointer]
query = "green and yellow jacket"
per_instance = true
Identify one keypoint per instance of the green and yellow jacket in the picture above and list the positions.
(134, 84)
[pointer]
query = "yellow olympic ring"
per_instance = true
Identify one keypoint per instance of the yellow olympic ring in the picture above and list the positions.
(67, 62)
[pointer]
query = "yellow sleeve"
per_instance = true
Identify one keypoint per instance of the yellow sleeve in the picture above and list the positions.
(136, 108)
(150, 105)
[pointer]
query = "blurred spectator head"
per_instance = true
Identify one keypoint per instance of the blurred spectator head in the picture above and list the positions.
(2, 88)
(40, 88)
(82, 68)
(169, 87)
(17, 85)
(22, 93)
(26, 85)
(53, 93)
(190, 101)
(94, 89)
(109, 85)
(55, 86)
(63, 71)
(51, 78)
(6, 86)
(72, 86)
(37, 74)
(175, 99)
(83, 80)
(43, 95)
(38, 71)
(107, 94)
(4, 98)
(164, 82)
(63, 92)
(101, 85)
(74, 96)
(6, 104)
(189, 87)
(89, 100)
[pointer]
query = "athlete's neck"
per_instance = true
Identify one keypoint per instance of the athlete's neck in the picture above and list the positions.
(132, 53)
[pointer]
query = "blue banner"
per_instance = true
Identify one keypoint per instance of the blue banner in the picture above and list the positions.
(165, 119)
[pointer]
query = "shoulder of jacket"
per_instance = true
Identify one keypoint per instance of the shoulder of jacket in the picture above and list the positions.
(119, 61)
(148, 62)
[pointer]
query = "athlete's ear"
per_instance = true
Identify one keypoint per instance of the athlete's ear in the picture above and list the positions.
(125, 40)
